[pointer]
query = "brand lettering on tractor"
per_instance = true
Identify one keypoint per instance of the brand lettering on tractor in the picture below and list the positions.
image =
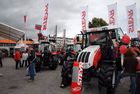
(83, 20)
(45, 18)
(80, 73)
(94, 37)
(112, 20)
(130, 21)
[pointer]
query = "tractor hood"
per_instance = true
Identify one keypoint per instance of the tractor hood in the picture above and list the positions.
(90, 56)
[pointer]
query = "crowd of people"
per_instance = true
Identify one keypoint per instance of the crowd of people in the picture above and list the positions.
(131, 66)
(26, 59)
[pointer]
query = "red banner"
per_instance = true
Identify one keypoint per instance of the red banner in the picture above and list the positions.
(84, 11)
(24, 18)
(77, 78)
(131, 21)
(112, 12)
(45, 20)
(38, 27)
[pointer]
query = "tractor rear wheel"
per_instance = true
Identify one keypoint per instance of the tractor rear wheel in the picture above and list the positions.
(66, 73)
(53, 62)
(105, 78)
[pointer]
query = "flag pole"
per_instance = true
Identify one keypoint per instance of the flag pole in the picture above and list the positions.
(25, 32)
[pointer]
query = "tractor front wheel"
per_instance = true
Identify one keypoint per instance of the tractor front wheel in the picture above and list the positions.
(105, 78)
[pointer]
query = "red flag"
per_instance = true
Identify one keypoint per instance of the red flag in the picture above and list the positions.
(77, 78)
(38, 27)
(24, 18)
(74, 40)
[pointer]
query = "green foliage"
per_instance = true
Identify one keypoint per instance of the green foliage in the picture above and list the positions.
(97, 22)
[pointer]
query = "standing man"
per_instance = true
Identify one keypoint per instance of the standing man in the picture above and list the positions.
(24, 58)
(1, 59)
(17, 58)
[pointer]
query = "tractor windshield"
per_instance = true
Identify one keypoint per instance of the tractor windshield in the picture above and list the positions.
(77, 47)
(70, 48)
(104, 37)
(96, 38)
(45, 47)
(53, 47)
(119, 33)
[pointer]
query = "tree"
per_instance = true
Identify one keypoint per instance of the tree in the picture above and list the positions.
(97, 22)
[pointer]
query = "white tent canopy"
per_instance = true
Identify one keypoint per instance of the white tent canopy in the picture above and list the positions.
(10, 33)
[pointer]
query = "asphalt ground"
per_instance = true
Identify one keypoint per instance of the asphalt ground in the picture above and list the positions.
(46, 82)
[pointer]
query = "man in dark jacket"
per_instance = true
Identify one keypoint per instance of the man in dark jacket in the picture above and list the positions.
(129, 69)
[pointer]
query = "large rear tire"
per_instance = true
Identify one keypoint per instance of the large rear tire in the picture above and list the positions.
(105, 78)
(53, 62)
(66, 74)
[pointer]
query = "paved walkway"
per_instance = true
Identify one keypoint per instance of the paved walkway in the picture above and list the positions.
(46, 82)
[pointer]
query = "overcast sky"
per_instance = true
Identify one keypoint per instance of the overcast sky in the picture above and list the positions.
(64, 13)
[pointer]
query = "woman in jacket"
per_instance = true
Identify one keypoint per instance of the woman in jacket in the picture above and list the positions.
(129, 69)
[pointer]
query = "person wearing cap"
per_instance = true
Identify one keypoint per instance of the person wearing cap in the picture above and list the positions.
(129, 69)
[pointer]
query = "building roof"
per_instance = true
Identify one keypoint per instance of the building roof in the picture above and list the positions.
(7, 41)
(14, 42)
(10, 33)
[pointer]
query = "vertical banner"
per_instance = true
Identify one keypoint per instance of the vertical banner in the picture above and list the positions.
(112, 12)
(131, 21)
(77, 78)
(84, 14)
(44, 28)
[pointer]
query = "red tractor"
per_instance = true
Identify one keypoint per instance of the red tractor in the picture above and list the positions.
(46, 56)
(70, 51)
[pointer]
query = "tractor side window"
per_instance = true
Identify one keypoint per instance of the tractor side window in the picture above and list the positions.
(77, 47)
(46, 48)
(119, 33)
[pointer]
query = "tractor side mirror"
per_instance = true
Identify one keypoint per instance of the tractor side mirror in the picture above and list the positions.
(77, 38)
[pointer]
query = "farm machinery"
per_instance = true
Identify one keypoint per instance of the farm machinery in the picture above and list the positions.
(46, 55)
(100, 56)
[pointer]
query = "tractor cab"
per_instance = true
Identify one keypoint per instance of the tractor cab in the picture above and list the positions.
(47, 55)
(98, 45)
